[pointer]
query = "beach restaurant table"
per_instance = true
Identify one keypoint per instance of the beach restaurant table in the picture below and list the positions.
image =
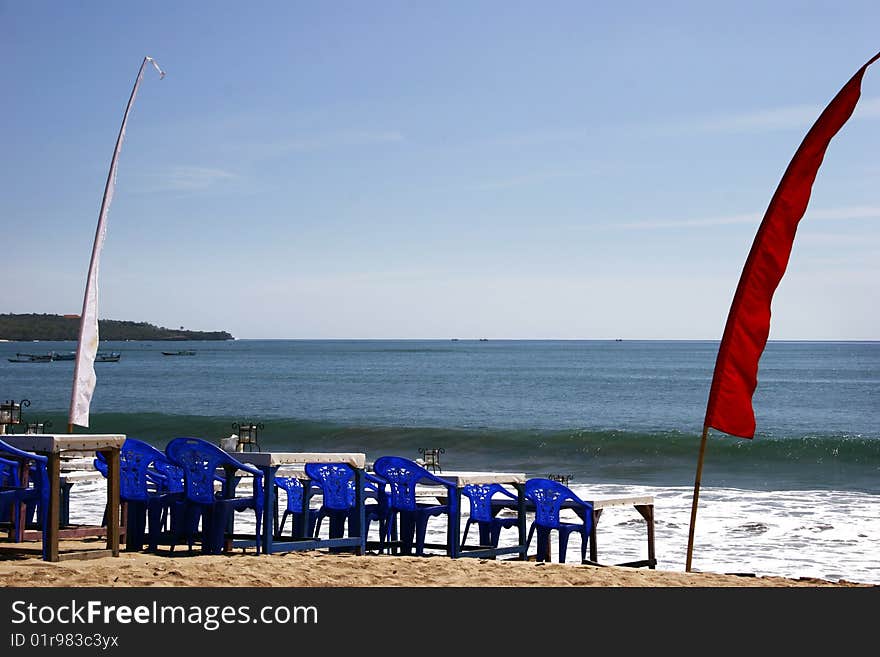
(52, 446)
(644, 504)
(269, 463)
(454, 547)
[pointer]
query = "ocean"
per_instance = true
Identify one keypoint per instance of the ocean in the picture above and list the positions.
(802, 499)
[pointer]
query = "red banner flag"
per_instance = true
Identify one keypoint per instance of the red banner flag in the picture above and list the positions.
(729, 408)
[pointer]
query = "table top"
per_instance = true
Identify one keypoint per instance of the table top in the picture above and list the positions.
(55, 443)
(603, 503)
(461, 478)
(264, 459)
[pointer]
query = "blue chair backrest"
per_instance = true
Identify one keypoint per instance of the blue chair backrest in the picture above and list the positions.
(548, 497)
(337, 483)
(142, 469)
(402, 476)
(172, 479)
(294, 489)
(200, 460)
(480, 496)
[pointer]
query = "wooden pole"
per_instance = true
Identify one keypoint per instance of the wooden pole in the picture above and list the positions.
(690, 548)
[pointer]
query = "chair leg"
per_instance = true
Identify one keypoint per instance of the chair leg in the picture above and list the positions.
(485, 533)
(407, 532)
(421, 533)
(543, 544)
(467, 526)
(563, 544)
(337, 524)
(279, 527)
(135, 526)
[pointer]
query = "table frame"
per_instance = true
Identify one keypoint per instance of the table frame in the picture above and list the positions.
(643, 504)
(459, 480)
(52, 446)
(269, 463)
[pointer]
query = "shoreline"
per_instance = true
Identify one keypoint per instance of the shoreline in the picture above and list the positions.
(323, 570)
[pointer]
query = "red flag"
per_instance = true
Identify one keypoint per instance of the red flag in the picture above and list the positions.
(729, 408)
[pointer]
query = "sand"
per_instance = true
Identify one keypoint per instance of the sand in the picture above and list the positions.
(320, 569)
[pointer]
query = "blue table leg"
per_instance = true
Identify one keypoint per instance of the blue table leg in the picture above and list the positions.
(454, 532)
(361, 514)
(270, 501)
(521, 519)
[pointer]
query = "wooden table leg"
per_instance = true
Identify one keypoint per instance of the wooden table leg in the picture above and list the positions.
(50, 551)
(647, 511)
(113, 500)
(594, 549)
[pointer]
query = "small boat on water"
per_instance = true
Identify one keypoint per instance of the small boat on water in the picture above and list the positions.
(31, 358)
(100, 357)
(184, 352)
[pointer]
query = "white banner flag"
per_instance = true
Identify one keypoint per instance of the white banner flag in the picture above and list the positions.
(84, 378)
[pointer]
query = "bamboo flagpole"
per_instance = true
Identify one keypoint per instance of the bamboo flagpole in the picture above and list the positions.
(697, 480)
(729, 408)
(84, 378)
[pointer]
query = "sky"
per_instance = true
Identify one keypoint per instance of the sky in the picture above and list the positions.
(509, 170)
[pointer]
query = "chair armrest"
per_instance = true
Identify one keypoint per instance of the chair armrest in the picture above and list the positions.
(507, 493)
(437, 480)
(245, 467)
(6, 448)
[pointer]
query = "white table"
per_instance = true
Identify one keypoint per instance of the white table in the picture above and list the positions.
(460, 479)
(269, 463)
(52, 446)
(644, 504)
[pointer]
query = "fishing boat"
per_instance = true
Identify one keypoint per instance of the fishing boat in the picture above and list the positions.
(105, 357)
(70, 355)
(184, 352)
(31, 358)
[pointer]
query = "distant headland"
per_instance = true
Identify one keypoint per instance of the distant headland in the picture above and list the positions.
(66, 327)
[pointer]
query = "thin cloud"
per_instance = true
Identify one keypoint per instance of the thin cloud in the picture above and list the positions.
(191, 179)
(525, 180)
(339, 140)
(754, 218)
(778, 118)
(765, 120)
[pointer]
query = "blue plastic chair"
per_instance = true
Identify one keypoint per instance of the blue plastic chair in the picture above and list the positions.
(483, 512)
(402, 475)
(294, 489)
(13, 494)
(200, 461)
(339, 504)
(549, 498)
(149, 486)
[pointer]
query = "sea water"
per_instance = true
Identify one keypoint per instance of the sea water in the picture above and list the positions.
(802, 499)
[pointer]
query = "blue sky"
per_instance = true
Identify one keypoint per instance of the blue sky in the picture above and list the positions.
(433, 170)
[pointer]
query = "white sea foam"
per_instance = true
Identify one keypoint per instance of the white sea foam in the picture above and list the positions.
(825, 534)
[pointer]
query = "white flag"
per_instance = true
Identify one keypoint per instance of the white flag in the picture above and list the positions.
(84, 378)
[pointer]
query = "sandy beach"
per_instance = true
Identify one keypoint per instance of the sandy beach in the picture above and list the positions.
(318, 569)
